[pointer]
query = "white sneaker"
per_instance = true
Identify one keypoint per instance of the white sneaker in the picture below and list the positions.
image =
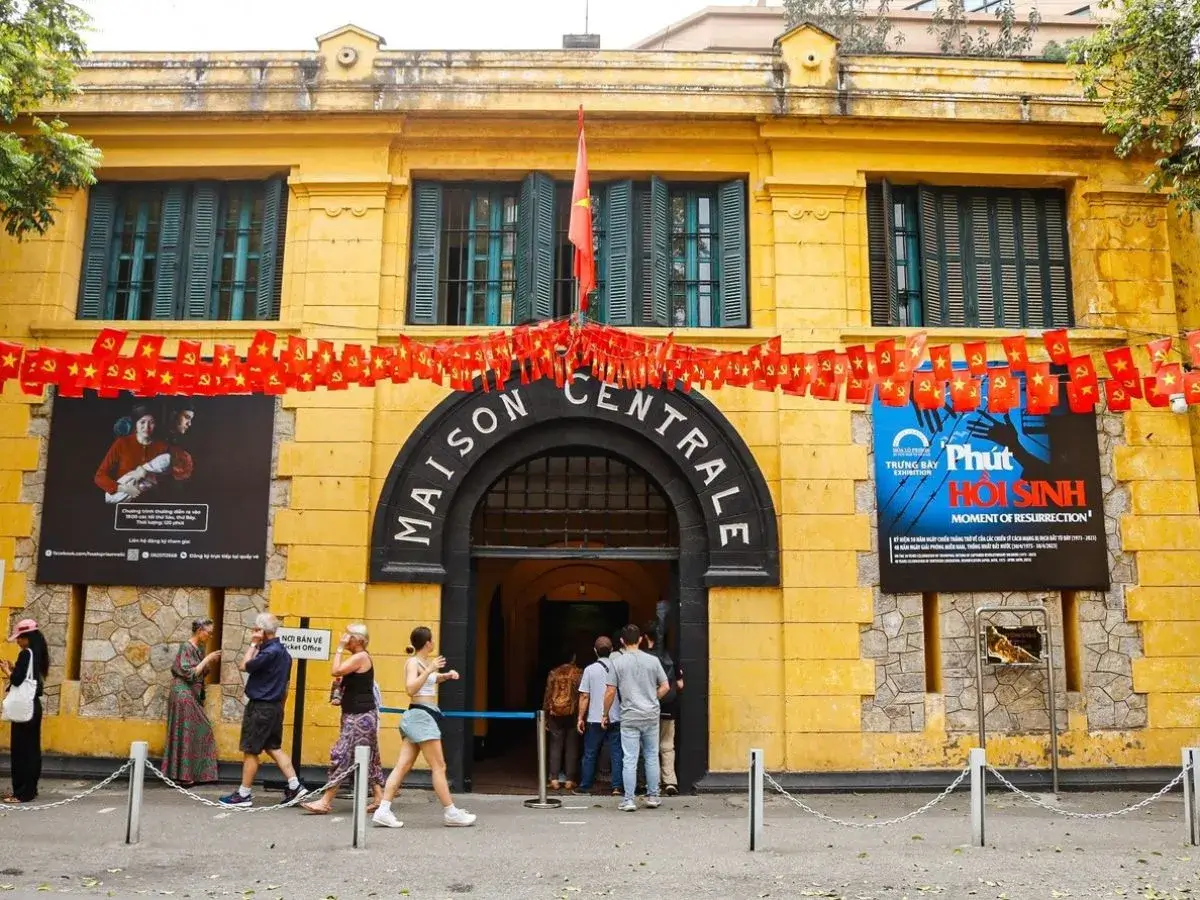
(627, 806)
(385, 818)
(653, 803)
(460, 818)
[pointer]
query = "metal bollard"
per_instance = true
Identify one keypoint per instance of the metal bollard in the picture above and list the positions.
(1191, 794)
(755, 803)
(977, 760)
(139, 751)
(362, 770)
(541, 801)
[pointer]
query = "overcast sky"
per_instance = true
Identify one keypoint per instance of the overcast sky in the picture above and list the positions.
(405, 24)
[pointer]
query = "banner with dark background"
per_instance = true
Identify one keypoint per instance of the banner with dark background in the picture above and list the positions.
(985, 502)
(170, 491)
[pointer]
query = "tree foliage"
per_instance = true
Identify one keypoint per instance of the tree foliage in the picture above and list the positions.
(1145, 64)
(1007, 38)
(40, 45)
(862, 26)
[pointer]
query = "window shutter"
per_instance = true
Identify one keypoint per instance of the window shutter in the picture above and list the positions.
(941, 257)
(202, 246)
(618, 279)
(426, 254)
(93, 285)
(881, 254)
(166, 269)
(979, 296)
(1006, 268)
(735, 300)
(537, 214)
(269, 286)
(1055, 261)
(660, 252)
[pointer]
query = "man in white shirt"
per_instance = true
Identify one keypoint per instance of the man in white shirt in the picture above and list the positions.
(591, 721)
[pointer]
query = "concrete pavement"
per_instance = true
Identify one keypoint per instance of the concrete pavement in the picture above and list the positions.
(693, 847)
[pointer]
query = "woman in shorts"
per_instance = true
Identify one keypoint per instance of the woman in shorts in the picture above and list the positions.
(421, 729)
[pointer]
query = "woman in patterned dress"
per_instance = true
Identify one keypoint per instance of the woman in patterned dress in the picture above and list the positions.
(360, 717)
(191, 754)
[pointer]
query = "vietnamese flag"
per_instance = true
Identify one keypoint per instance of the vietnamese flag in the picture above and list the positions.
(915, 345)
(1058, 346)
(1119, 399)
(262, 350)
(580, 229)
(1014, 350)
(1169, 379)
(893, 393)
(1120, 363)
(225, 358)
(1158, 351)
(1153, 396)
(323, 360)
(857, 357)
(149, 348)
(964, 393)
(10, 360)
(1081, 397)
(940, 357)
(1041, 388)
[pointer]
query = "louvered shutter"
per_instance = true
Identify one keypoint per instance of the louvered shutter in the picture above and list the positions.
(1055, 261)
(979, 294)
(735, 298)
(426, 254)
(881, 254)
(619, 250)
(535, 250)
(269, 285)
(660, 252)
(941, 257)
(202, 248)
(167, 262)
(1010, 295)
(93, 285)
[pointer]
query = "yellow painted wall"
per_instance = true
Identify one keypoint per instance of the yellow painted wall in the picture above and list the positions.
(787, 673)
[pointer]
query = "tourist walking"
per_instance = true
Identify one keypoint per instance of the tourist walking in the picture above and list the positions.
(191, 752)
(422, 733)
(269, 667)
(640, 681)
(560, 703)
(33, 661)
(591, 724)
(360, 718)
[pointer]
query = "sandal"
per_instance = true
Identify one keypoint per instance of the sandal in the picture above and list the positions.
(316, 809)
(12, 801)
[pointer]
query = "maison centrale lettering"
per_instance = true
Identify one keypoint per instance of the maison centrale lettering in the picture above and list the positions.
(723, 504)
(653, 412)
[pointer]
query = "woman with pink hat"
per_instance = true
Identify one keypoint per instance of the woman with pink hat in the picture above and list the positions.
(33, 661)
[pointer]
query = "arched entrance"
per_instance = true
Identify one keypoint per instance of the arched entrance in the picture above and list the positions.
(686, 452)
(566, 546)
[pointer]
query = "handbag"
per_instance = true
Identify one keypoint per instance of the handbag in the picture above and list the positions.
(19, 701)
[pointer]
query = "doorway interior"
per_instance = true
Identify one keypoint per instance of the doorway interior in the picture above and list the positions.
(565, 547)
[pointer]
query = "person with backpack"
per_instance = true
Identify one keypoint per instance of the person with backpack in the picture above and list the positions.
(561, 703)
(591, 721)
(668, 707)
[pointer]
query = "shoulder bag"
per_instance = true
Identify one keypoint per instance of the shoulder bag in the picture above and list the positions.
(19, 701)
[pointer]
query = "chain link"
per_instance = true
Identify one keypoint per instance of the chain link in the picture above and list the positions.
(96, 787)
(162, 776)
(912, 815)
(1050, 807)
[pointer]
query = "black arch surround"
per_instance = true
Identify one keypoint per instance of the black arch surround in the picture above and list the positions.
(553, 420)
(409, 540)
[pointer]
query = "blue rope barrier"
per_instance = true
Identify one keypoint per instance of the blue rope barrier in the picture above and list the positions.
(469, 714)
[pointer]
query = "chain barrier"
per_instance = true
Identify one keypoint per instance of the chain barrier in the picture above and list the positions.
(162, 776)
(912, 815)
(93, 789)
(1050, 807)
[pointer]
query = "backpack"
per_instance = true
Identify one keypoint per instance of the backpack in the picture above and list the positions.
(562, 692)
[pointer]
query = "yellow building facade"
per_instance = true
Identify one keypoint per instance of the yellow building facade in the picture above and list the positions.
(805, 657)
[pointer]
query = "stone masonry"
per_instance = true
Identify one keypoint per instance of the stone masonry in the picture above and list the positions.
(130, 635)
(1014, 698)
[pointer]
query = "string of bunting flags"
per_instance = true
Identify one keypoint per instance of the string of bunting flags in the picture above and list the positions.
(900, 370)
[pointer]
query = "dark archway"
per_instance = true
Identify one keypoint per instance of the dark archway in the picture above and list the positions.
(726, 519)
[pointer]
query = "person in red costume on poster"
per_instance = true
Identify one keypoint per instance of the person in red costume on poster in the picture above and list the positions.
(137, 458)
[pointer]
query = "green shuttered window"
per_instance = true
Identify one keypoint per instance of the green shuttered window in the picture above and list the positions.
(968, 257)
(667, 254)
(184, 250)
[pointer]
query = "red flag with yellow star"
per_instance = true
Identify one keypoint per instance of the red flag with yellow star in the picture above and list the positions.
(580, 231)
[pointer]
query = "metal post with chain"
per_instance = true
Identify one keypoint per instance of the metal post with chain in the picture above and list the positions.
(951, 788)
(1049, 807)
